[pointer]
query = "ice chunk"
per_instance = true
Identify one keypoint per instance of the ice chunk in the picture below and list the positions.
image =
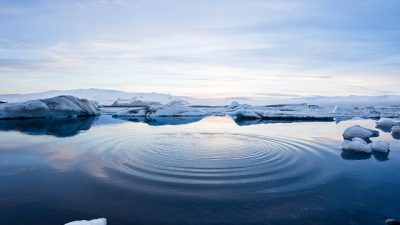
(386, 122)
(101, 221)
(177, 110)
(60, 106)
(233, 105)
(396, 132)
(131, 112)
(380, 146)
(246, 113)
(360, 132)
(356, 145)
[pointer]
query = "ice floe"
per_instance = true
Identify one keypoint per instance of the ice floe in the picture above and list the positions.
(387, 123)
(396, 132)
(357, 145)
(380, 146)
(359, 132)
(101, 221)
(56, 107)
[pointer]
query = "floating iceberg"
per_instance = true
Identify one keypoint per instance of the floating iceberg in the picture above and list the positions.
(177, 110)
(56, 107)
(380, 146)
(162, 111)
(359, 132)
(387, 122)
(101, 221)
(396, 132)
(233, 105)
(357, 145)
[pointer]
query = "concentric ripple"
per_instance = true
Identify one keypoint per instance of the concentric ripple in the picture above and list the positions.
(215, 164)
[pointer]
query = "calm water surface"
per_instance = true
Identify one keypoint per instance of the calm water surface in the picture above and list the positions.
(192, 171)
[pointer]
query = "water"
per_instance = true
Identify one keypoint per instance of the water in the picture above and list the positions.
(192, 171)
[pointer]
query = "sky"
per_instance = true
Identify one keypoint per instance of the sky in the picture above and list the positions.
(202, 48)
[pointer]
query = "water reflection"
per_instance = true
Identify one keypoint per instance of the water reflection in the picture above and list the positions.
(61, 127)
(163, 121)
(247, 122)
(133, 173)
(379, 156)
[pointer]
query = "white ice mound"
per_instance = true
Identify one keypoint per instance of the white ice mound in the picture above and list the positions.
(60, 106)
(132, 112)
(233, 105)
(396, 131)
(380, 146)
(101, 221)
(386, 122)
(356, 145)
(174, 111)
(360, 132)
(246, 113)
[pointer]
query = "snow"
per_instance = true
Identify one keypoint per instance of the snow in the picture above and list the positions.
(359, 132)
(101, 221)
(387, 122)
(380, 146)
(356, 145)
(60, 106)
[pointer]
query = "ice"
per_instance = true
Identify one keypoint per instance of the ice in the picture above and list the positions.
(356, 145)
(396, 132)
(178, 110)
(161, 111)
(386, 123)
(60, 106)
(380, 146)
(360, 132)
(245, 113)
(304, 108)
(101, 221)
(233, 105)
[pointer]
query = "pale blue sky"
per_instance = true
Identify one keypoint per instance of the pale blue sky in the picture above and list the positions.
(203, 48)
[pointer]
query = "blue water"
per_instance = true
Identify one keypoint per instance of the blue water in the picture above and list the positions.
(192, 171)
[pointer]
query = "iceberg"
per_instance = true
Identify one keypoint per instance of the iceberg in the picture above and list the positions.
(56, 107)
(101, 221)
(359, 132)
(380, 146)
(175, 111)
(162, 111)
(357, 145)
(387, 123)
(233, 105)
(396, 132)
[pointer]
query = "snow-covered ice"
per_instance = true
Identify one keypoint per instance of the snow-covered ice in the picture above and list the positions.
(387, 123)
(60, 106)
(359, 132)
(101, 221)
(304, 108)
(233, 105)
(161, 111)
(380, 146)
(396, 132)
(167, 110)
(356, 145)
